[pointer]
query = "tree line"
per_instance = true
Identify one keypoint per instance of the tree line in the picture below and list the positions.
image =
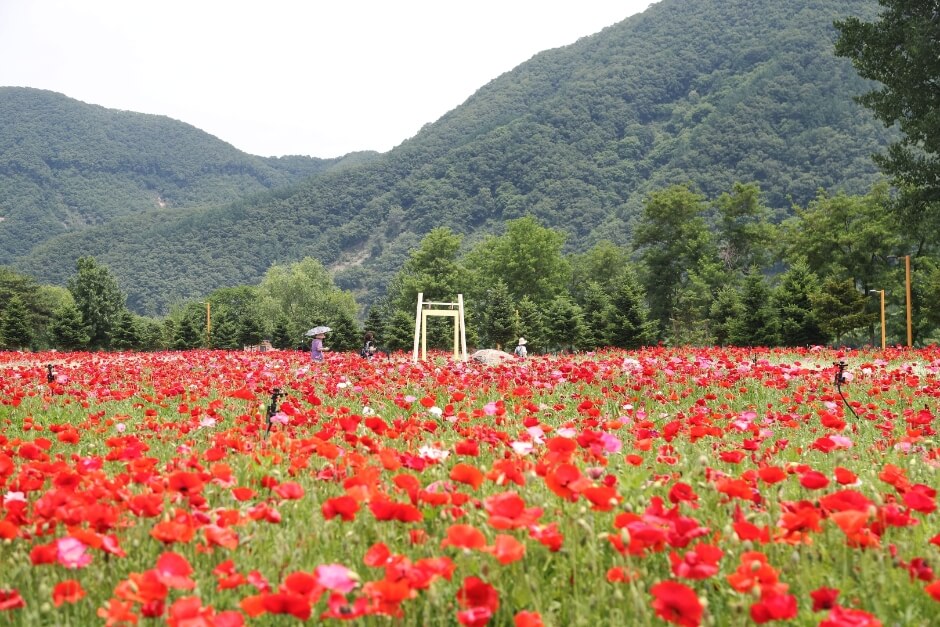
(698, 271)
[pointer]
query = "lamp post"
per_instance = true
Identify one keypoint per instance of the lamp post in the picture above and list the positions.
(883, 334)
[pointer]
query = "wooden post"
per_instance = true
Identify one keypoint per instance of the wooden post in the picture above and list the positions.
(414, 354)
(907, 286)
(463, 326)
(883, 332)
(421, 325)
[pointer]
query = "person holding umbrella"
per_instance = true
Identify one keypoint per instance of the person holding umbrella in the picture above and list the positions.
(316, 346)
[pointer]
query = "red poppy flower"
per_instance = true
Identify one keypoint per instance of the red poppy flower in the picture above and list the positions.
(528, 619)
(68, 591)
(467, 474)
(11, 600)
(477, 593)
(344, 506)
(824, 598)
(774, 606)
(813, 480)
(845, 617)
(677, 603)
(507, 549)
(507, 510)
(464, 537)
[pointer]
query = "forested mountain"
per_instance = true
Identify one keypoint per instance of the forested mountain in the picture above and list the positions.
(66, 165)
(708, 92)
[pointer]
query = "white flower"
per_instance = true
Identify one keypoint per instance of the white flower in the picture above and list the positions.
(436, 454)
(522, 448)
(12, 497)
(436, 411)
(368, 411)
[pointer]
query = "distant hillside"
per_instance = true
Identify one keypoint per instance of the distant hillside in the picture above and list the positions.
(66, 166)
(708, 92)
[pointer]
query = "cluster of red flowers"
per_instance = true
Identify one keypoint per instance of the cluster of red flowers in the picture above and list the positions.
(671, 467)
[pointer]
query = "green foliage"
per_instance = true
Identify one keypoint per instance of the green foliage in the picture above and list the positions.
(127, 333)
(849, 237)
(565, 329)
(793, 298)
(98, 298)
(708, 92)
(603, 264)
(527, 258)
(15, 332)
(759, 325)
(499, 324)
(727, 316)
(901, 50)
(532, 325)
(304, 295)
(69, 332)
(743, 228)
(673, 240)
(840, 308)
(631, 325)
(66, 166)
(599, 315)
(432, 269)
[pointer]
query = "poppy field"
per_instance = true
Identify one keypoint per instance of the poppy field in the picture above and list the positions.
(661, 486)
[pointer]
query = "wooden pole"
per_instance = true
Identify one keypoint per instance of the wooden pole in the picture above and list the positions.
(907, 287)
(209, 324)
(414, 354)
(463, 327)
(883, 333)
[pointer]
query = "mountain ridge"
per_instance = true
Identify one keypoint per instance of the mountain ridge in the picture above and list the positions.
(706, 93)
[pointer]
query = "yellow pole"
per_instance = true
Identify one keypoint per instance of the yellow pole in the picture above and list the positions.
(883, 337)
(907, 287)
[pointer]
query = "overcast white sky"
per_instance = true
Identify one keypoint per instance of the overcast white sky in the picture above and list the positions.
(277, 77)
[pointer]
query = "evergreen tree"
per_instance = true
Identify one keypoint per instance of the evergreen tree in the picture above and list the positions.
(793, 299)
(564, 324)
(400, 331)
(532, 324)
(500, 325)
(599, 316)
(68, 329)
(126, 335)
(98, 298)
(345, 334)
(225, 332)
(15, 332)
(189, 334)
(280, 336)
(250, 329)
(727, 316)
(151, 334)
(760, 326)
(375, 322)
(840, 308)
(690, 324)
(631, 325)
